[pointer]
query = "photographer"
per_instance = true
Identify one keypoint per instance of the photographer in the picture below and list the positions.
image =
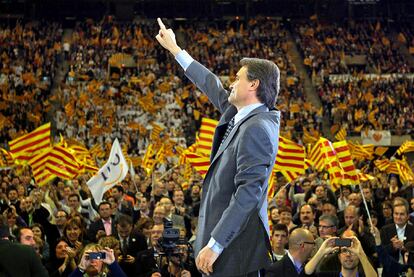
(103, 265)
(349, 257)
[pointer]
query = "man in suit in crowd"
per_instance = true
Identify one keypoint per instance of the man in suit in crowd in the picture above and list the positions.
(233, 232)
(105, 226)
(146, 259)
(131, 243)
(301, 245)
(18, 259)
(395, 235)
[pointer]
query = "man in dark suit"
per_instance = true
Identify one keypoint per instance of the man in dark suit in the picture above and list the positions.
(105, 226)
(17, 259)
(395, 235)
(301, 244)
(131, 243)
(233, 231)
(146, 259)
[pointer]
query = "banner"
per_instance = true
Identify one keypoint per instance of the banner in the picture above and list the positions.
(377, 138)
(112, 173)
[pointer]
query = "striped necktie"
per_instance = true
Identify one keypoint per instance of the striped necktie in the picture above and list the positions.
(230, 127)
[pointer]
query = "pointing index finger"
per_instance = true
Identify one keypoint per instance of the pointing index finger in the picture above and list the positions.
(162, 26)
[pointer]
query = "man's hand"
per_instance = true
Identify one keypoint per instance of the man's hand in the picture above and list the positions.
(396, 243)
(356, 247)
(328, 246)
(206, 259)
(166, 38)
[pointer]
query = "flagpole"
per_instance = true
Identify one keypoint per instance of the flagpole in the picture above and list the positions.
(168, 171)
(366, 205)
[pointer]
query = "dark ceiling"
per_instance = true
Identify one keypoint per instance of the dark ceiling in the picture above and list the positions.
(205, 9)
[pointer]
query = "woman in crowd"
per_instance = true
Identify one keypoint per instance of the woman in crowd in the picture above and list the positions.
(73, 232)
(39, 232)
(62, 259)
(106, 266)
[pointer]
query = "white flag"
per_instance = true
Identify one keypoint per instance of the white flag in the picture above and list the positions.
(112, 173)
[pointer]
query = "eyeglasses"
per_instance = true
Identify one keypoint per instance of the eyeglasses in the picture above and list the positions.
(346, 251)
(309, 242)
(326, 227)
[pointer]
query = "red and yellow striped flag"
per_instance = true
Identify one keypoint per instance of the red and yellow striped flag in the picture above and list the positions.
(156, 131)
(148, 161)
(404, 170)
(37, 163)
(206, 135)
(341, 135)
(290, 158)
(316, 156)
(198, 162)
(350, 175)
(6, 158)
(406, 147)
(25, 146)
(392, 168)
(62, 163)
(383, 164)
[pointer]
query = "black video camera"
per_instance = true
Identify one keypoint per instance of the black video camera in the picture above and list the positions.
(169, 240)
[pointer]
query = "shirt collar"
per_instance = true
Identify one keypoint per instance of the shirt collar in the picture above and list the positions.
(245, 111)
(398, 228)
(295, 263)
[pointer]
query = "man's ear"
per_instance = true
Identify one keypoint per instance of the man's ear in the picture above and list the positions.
(254, 84)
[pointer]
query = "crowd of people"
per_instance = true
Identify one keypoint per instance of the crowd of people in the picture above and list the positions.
(29, 55)
(122, 236)
(375, 103)
(326, 46)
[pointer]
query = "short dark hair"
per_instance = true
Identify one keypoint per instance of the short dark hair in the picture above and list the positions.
(18, 232)
(285, 209)
(9, 189)
(268, 75)
(74, 195)
(104, 203)
(280, 227)
(124, 220)
(119, 188)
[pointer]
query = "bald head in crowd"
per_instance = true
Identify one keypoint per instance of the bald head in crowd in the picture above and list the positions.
(301, 244)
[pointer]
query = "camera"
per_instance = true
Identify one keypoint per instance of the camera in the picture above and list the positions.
(343, 242)
(97, 256)
(169, 240)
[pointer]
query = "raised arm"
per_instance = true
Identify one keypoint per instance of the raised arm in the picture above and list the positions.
(203, 78)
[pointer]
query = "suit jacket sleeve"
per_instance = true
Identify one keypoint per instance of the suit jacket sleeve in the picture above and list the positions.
(37, 269)
(254, 161)
(208, 83)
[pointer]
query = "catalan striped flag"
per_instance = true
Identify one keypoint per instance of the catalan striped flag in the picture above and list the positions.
(6, 157)
(148, 161)
(392, 168)
(383, 164)
(41, 175)
(316, 155)
(365, 177)
(206, 135)
(406, 147)
(198, 162)
(350, 175)
(341, 134)
(62, 163)
(404, 170)
(156, 131)
(272, 184)
(290, 159)
(25, 146)
(361, 152)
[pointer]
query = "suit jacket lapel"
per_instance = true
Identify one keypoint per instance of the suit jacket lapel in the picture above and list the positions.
(231, 135)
